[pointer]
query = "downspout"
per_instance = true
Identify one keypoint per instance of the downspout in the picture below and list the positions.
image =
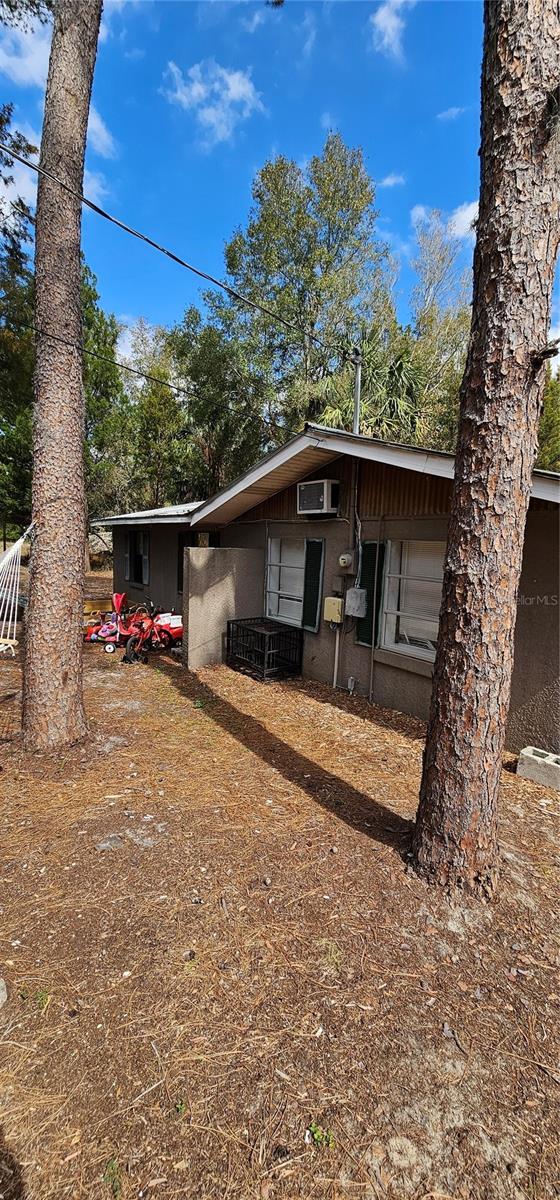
(374, 606)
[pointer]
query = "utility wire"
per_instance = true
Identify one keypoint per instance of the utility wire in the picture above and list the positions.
(104, 358)
(143, 237)
(134, 370)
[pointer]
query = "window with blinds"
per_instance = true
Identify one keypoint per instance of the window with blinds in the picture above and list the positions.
(295, 581)
(412, 597)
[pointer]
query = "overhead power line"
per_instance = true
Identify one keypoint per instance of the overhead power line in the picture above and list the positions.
(143, 237)
(54, 337)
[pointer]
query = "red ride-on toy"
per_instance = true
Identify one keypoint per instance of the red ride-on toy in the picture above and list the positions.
(116, 627)
(159, 632)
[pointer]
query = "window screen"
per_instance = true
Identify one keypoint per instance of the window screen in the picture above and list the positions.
(412, 601)
(294, 580)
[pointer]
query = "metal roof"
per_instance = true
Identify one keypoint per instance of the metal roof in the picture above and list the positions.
(171, 514)
(318, 445)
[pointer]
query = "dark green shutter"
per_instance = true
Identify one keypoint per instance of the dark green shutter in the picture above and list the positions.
(313, 583)
(364, 625)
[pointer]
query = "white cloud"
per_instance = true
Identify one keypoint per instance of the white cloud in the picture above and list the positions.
(460, 224)
(419, 213)
(400, 247)
(24, 55)
(308, 32)
(110, 8)
(95, 186)
(24, 183)
(100, 138)
(219, 98)
(23, 186)
(24, 180)
(451, 114)
(387, 25)
(252, 23)
(125, 340)
(391, 180)
(327, 121)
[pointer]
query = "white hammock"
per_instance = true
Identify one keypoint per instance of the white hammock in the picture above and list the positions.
(10, 566)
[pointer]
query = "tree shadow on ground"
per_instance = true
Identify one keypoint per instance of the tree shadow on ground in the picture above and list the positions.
(353, 807)
(12, 1186)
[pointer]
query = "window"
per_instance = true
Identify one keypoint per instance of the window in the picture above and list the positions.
(295, 581)
(137, 557)
(371, 578)
(412, 599)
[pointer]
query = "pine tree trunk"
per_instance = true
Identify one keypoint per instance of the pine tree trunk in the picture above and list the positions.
(53, 713)
(517, 244)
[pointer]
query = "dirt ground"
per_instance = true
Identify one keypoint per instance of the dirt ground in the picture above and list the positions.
(223, 981)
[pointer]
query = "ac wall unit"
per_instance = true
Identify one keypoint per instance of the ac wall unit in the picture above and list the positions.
(317, 497)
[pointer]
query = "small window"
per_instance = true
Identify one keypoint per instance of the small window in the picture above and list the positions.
(295, 580)
(412, 599)
(137, 558)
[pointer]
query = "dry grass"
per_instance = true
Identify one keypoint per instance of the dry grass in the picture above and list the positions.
(252, 956)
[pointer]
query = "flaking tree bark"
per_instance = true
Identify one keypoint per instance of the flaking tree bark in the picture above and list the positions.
(516, 248)
(53, 713)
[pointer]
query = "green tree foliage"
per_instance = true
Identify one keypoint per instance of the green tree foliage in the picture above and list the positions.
(156, 422)
(392, 382)
(411, 375)
(227, 404)
(106, 447)
(107, 427)
(15, 216)
(549, 431)
(310, 253)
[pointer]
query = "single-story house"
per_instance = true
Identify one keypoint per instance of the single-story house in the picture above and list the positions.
(367, 532)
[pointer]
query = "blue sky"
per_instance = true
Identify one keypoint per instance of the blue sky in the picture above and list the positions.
(190, 99)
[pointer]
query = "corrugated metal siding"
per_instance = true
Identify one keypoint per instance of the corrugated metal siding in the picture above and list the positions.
(392, 492)
(382, 491)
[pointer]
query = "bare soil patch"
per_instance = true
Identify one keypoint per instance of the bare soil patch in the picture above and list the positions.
(222, 980)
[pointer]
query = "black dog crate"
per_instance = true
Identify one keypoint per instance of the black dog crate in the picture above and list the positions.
(266, 648)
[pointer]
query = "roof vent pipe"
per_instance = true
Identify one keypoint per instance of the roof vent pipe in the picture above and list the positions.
(356, 358)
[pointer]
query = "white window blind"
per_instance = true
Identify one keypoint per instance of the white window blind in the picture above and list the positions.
(285, 579)
(412, 597)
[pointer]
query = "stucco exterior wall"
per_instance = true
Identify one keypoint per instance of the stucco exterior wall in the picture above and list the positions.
(219, 584)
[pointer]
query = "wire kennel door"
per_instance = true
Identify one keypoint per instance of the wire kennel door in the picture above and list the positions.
(268, 649)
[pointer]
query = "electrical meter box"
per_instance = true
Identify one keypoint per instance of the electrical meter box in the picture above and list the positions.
(333, 609)
(356, 602)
